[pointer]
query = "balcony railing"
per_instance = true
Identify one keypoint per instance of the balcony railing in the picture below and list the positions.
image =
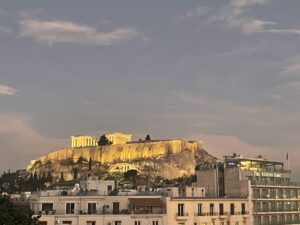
(221, 214)
(182, 214)
(101, 212)
(275, 183)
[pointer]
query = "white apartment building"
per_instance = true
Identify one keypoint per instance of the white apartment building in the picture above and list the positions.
(96, 202)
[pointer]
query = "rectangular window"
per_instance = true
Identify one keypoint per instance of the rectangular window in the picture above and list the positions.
(243, 209)
(200, 209)
(47, 207)
(211, 209)
(221, 209)
(155, 222)
(92, 208)
(180, 210)
(42, 223)
(70, 208)
(67, 222)
(90, 222)
(231, 208)
(137, 223)
(118, 223)
(109, 188)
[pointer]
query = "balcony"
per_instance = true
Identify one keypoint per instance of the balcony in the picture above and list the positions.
(182, 216)
(222, 215)
(101, 212)
(275, 183)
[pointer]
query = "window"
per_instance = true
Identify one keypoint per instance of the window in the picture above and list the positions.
(211, 209)
(90, 222)
(180, 210)
(42, 223)
(118, 223)
(231, 208)
(92, 208)
(70, 208)
(46, 207)
(109, 188)
(200, 210)
(155, 222)
(236, 223)
(67, 222)
(243, 208)
(221, 209)
(137, 223)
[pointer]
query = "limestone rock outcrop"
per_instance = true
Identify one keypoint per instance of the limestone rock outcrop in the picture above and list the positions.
(167, 159)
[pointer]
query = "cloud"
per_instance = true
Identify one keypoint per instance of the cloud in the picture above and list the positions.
(235, 15)
(237, 51)
(50, 32)
(193, 13)
(291, 67)
(6, 90)
(244, 3)
(20, 142)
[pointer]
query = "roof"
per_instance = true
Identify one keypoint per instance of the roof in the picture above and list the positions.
(146, 202)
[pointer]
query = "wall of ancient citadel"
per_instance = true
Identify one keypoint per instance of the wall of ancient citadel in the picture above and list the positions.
(122, 152)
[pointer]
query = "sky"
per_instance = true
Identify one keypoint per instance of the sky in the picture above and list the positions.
(225, 72)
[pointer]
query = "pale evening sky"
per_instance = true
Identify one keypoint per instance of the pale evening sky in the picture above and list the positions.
(226, 72)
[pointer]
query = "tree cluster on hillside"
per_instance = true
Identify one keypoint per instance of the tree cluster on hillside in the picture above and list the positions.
(15, 214)
(16, 182)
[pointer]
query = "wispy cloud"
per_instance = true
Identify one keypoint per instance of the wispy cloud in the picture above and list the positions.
(6, 90)
(193, 13)
(235, 15)
(291, 67)
(27, 141)
(50, 32)
(237, 51)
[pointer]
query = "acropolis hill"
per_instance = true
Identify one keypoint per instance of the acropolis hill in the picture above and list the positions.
(168, 159)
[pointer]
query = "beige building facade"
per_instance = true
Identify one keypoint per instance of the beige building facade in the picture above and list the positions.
(119, 138)
(83, 141)
(189, 206)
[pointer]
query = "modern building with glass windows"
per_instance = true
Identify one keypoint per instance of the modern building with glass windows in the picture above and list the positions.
(275, 199)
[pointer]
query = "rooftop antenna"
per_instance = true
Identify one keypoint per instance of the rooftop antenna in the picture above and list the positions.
(288, 160)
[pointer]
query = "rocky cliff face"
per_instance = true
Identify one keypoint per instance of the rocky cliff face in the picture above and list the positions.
(167, 159)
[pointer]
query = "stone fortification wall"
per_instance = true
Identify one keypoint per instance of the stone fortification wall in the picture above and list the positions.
(119, 153)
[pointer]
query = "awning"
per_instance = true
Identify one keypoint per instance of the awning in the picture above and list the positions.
(146, 202)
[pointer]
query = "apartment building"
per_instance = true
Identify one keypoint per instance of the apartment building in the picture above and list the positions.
(191, 207)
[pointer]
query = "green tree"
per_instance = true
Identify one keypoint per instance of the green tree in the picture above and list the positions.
(14, 215)
(75, 173)
(131, 176)
(49, 177)
(148, 138)
(62, 176)
(103, 141)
